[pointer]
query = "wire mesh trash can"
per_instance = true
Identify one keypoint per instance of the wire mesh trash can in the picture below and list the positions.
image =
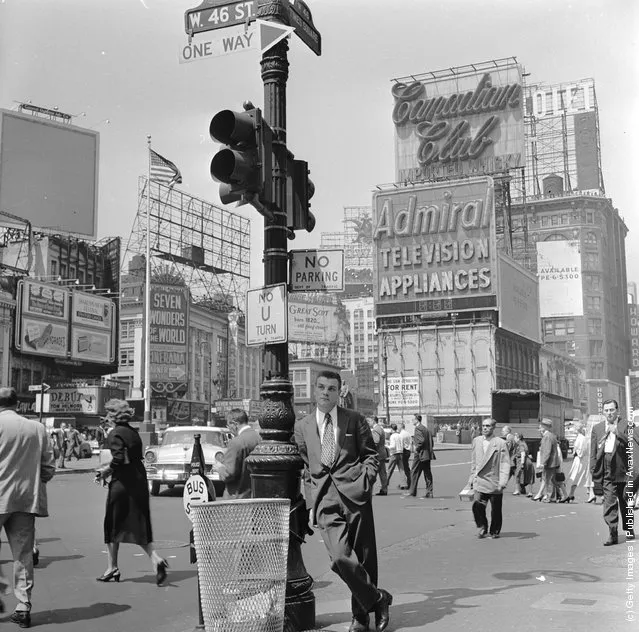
(242, 550)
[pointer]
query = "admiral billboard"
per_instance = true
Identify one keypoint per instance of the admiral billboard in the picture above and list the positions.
(435, 248)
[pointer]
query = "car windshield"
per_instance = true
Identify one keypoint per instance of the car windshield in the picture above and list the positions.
(180, 437)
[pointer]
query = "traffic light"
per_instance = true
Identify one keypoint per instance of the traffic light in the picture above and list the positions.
(299, 190)
(244, 166)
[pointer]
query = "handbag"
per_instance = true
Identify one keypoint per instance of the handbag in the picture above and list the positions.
(560, 477)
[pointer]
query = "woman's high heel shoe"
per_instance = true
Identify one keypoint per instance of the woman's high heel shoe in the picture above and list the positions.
(160, 572)
(111, 575)
(534, 498)
(568, 499)
(591, 500)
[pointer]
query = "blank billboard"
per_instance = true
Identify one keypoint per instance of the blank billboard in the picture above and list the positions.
(559, 272)
(49, 173)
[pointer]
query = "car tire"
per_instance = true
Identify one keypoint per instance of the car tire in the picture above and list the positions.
(154, 488)
(171, 485)
(219, 488)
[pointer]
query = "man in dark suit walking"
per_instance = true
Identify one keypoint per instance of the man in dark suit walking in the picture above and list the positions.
(337, 447)
(232, 469)
(609, 467)
(379, 439)
(424, 454)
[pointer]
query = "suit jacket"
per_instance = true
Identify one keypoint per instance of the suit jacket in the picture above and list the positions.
(490, 471)
(423, 442)
(26, 464)
(548, 449)
(619, 463)
(354, 469)
(379, 438)
(233, 471)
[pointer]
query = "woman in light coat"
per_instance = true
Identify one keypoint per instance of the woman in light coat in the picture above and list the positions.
(579, 471)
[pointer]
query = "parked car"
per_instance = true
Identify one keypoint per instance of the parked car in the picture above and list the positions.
(169, 463)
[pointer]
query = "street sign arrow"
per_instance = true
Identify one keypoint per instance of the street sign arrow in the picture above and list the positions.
(271, 33)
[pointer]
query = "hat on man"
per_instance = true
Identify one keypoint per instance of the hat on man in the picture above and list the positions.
(547, 423)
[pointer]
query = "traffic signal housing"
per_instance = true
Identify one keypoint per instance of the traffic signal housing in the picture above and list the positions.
(299, 190)
(245, 166)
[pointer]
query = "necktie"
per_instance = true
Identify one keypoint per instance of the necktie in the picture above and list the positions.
(328, 442)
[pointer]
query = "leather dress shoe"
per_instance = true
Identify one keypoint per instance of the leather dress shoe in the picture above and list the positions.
(613, 538)
(22, 618)
(381, 493)
(382, 610)
(359, 624)
(481, 533)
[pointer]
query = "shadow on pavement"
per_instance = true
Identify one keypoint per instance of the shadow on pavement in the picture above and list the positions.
(436, 605)
(46, 560)
(528, 575)
(521, 535)
(172, 578)
(83, 613)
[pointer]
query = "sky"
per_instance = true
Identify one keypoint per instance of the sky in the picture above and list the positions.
(113, 64)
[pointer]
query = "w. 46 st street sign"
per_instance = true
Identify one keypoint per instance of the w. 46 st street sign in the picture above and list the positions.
(218, 14)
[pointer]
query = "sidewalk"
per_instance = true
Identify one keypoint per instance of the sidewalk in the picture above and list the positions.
(451, 446)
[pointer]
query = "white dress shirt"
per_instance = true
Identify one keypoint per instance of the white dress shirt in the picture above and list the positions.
(396, 445)
(320, 416)
(609, 446)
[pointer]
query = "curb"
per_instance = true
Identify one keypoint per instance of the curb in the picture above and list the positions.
(70, 470)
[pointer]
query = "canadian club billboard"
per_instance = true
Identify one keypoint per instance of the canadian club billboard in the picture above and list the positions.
(459, 122)
(435, 248)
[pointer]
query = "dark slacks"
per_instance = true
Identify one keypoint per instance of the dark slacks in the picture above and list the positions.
(383, 476)
(416, 472)
(479, 511)
(348, 532)
(396, 462)
(406, 464)
(614, 499)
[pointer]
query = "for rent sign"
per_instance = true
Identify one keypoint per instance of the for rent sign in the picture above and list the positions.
(435, 247)
(168, 331)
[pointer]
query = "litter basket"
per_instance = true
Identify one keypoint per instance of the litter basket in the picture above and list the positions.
(242, 550)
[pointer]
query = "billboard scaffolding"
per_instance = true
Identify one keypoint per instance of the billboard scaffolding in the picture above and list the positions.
(204, 245)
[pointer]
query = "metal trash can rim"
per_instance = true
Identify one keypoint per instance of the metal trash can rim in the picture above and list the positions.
(242, 501)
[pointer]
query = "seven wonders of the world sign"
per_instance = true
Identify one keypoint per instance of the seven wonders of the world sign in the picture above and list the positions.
(435, 241)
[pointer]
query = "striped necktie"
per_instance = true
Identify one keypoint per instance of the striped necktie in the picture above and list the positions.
(328, 442)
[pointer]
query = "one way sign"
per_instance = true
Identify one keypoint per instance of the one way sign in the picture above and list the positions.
(259, 36)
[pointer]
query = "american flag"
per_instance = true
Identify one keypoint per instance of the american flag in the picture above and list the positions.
(163, 170)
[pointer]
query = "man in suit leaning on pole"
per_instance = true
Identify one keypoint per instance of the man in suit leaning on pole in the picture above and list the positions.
(340, 456)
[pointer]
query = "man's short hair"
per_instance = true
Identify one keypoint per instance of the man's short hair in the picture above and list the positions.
(8, 397)
(507, 429)
(493, 423)
(237, 416)
(418, 417)
(394, 427)
(611, 401)
(330, 375)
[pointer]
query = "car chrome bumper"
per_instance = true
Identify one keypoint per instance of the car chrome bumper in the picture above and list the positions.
(169, 476)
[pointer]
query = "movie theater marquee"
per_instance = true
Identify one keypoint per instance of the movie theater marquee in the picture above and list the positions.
(435, 248)
(463, 122)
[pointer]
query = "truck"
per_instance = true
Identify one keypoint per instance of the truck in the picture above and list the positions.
(522, 410)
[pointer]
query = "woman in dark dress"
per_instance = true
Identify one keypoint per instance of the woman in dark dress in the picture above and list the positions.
(128, 517)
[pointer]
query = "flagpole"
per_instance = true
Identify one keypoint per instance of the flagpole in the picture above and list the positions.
(147, 297)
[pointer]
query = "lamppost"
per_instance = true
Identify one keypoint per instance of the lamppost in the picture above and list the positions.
(385, 338)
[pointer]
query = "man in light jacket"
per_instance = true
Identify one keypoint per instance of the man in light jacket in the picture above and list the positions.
(489, 473)
(26, 465)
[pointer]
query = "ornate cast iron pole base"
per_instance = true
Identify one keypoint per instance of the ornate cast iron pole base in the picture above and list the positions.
(275, 467)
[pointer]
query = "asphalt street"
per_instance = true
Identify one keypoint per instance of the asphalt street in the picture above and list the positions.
(548, 571)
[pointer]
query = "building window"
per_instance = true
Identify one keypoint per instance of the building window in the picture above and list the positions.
(597, 370)
(594, 326)
(127, 357)
(591, 261)
(559, 327)
(565, 219)
(54, 268)
(369, 313)
(593, 281)
(545, 221)
(555, 220)
(591, 239)
(63, 270)
(593, 303)
(596, 348)
(590, 218)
